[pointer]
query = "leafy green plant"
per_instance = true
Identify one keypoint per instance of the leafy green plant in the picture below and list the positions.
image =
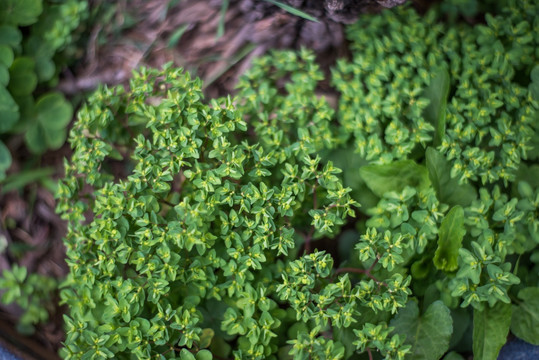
(33, 293)
(212, 237)
(29, 63)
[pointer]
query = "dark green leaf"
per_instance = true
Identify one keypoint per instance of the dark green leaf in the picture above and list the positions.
(6, 56)
(23, 79)
(447, 189)
(20, 12)
(490, 329)
(450, 238)
(35, 140)
(9, 110)
(394, 177)
(525, 320)
(10, 35)
(204, 355)
(21, 179)
(429, 334)
(437, 92)
(5, 159)
(453, 356)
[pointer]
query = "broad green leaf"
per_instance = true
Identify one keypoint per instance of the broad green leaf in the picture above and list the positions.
(4, 75)
(5, 159)
(450, 238)
(437, 92)
(6, 55)
(10, 35)
(204, 355)
(53, 111)
(428, 334)
(186, 355)
(206, 338)
(9, 110)
(448, 190)
(490, 329)
(23, 79)
(453, 356)
(35, 140)
(20, 12)
(394, 177)
(525, 320)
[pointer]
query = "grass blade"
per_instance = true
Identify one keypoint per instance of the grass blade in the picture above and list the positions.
(293, 10)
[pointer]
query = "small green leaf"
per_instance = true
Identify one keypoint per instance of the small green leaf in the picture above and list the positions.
(204, 355)
(450, 238)
(20, 12)
(206, 338)
(429, 334)
(448, 190)
(9, 110)
(35, 140)
(5, 160)
(10, 35)
(186, 355)
(490, 329)
(23, 79)
(394, 177)
(53, 111)
(293, 10)
(21, 179)
(525, 320)
(6, 55)
(453, 356)
(437, 92)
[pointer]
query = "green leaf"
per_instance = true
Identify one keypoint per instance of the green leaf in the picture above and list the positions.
(437, 92)
(525, 320)
(293, 10)
(204, 355)
(394, 177)
(206, 338)
(35, 140)
(10, 35)
(447, 189)
(450, 238)
(9, 110)
(6, 55)
(53, 111)
(23, 79)
(21, 179)
(20, 12)
(490, 329)
(453, 356)
(186, 355)
(429, 334)
(5, 160)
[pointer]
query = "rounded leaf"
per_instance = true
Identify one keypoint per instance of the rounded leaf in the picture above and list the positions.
(5, 159)
(23, 79)
(9, 110)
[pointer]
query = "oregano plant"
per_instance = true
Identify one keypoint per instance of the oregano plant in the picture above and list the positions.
(231, 228)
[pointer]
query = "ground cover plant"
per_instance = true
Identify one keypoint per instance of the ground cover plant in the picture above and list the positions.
(212, 238)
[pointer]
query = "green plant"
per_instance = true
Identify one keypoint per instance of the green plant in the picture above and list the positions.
(32, 62)
(212, 238)
(31, 292)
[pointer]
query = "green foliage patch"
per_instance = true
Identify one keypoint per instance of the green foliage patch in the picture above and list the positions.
(210, 239)
(31, 63)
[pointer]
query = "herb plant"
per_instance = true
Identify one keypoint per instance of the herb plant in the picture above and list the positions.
(209, 237)
(32, 62)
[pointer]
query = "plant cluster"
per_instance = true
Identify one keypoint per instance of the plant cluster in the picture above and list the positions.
(30, 63)
(31, 292)
(207, 238)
